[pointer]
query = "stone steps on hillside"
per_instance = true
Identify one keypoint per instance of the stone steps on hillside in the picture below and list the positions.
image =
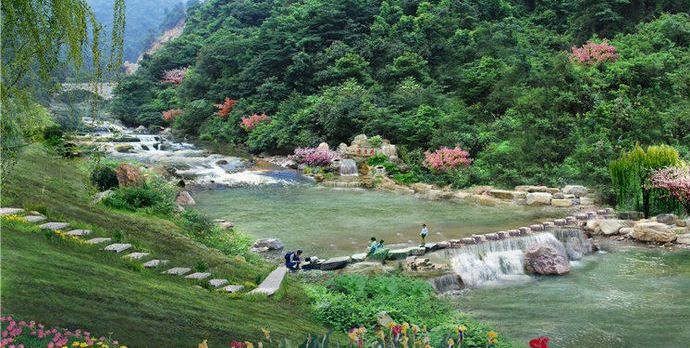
(232, 288)
(118, 247)
(178, 271)
(10, 211)
(34, 219)
(136, 255)
(98, 240)
(218, 282)
(54, 226)
(79, 233)
(198, 275)
(154, 263)
(272, 283)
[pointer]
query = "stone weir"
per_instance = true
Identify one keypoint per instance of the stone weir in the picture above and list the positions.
(567, 233)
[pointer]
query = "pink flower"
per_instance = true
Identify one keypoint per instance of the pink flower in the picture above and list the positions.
(445, 159)
(314, 156)
(175, 76)
(676, 182)
(250, 122)
(591, 53)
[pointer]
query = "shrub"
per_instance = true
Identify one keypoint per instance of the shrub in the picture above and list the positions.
(226, 107)
(174, 76)
(155, 196)
(104, 178)
(250, 122)
(676, 182)
(591, 53)
(382, 160)
(446, 159)
(196, 223)
(314, 156)
(375, 141)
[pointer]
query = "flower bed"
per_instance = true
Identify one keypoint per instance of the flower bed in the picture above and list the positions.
(20, 334)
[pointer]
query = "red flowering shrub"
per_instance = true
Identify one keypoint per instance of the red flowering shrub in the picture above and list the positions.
(676, 181)
(314, 156)
(225, 108)
(591, 53)
(171, 114)
(250, 122)
(174, 76)
(445, 159)
(539, 342)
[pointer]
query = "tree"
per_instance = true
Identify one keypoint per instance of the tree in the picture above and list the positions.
(676, 181)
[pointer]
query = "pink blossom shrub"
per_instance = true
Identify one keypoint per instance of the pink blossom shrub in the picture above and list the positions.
(591, 53)
(174, 76)
(250, 122)
(171, 114)
(676, 182)
(446, 159)
(22, 334)
(226, 107)
(314, 156)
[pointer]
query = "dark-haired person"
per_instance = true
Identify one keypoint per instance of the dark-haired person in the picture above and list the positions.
(373, 246)
(292, 260)
(424, 233)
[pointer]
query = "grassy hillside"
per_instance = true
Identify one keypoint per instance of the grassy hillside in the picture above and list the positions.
(72, 285)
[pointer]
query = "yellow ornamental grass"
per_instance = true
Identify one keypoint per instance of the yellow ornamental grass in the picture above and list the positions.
(492, 337)
(203, 344)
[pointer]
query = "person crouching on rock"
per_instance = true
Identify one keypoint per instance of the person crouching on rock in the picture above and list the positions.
(292, 260)
(373, 246)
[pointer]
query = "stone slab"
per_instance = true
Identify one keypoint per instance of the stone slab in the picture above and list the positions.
(178, 271)
(398, 254)
(54, 225)
(79, 233)
(272, 283)
(336, 263)
(98, 240)
(218, 282)
(232, 288)
(35, 218)
(117, 247)
(359, 257)
(136, 256)
(198, 275)
(154, 263)
(10, 211)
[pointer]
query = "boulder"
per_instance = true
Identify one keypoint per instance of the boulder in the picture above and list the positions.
(502, 194)
(335, 263)
(682, 223)
(360, 140)
(546, 260)
(577, 190)
(97, 198)
(184, 198)
(562, 202)
(630, 215)
(324, 146)
(611, 226)
(141, 130)
(269, 243)
(538, 198)
(587, 201)
(129, 175)
(483, 200)
(668, 219)
(421, 187)
(592, 226)
(653, 232)
(398, 254)
(124, 148)
(359, 257)
(626, 231)
(683, 239)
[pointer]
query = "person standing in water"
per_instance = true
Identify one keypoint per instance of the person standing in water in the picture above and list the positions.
(423, 233)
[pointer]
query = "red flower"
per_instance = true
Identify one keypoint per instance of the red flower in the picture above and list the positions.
(396, 330)
(237, 344)
(539, 342)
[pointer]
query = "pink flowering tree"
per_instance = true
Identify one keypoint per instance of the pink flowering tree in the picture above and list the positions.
(171, 114)
(250, 122)
(676, 182)
(592, 53)
(174, 76)
(314, 156)
(446, 159)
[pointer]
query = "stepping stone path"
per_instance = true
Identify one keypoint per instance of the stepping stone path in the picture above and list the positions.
(233, 288)
(217, 282)
(10, 211)
(35, 218)
(136, 256)
(154, 263)
(79, 233)
(118, 247)
(98, 240)
(272, 283)
(178, 271)
(54, 226)
(198, 275)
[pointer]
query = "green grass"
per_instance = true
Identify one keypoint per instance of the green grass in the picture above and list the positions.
(71, 285)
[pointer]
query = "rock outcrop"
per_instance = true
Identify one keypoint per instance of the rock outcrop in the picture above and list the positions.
(128, 175)
(269, 244)
(546, 260)
(538, 198)
(653, 232)
(184, 198)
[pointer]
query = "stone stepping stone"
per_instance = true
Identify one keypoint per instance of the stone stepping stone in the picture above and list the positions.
(10, 211)
(218, 282)
(178, 271)
(35, 218)
(155, 263)
(136, 256)
(79, 233)
(272, 283)
(118, 247)
(198, 275)
(233, 288)
(98, 240)
(54, 225)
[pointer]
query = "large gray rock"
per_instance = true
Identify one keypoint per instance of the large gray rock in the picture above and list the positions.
(562, 202)
(546, 260)
(198, 275)
(335, 263)
(668, 219)
(184, 198)
(538, 198)
(610, 227)
(653, 232)
(398, 254)
(272, 283)
(502, 194)
(577, 190)
(117, 247)
(269, 243)
(683, 239)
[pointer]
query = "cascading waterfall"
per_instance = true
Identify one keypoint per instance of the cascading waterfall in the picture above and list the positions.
(501, 261)
(348, 167)
(148, 142)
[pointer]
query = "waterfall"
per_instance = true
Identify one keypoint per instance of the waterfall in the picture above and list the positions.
(501, 261)
(449, 283)
(348, 167)
(148, 142)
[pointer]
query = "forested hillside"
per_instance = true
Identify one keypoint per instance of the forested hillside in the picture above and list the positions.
(509, 81)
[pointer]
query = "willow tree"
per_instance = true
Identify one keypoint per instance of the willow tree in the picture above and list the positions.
(40, 37)
(631, 174)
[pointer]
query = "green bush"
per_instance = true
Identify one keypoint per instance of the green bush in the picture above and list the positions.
(155, 196)
(196, 223)
(104, 178)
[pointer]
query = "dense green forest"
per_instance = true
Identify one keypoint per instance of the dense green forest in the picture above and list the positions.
(506, 80)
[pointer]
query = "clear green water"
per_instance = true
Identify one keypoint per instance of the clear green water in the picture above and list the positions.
(625, 298)
(330, 222)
